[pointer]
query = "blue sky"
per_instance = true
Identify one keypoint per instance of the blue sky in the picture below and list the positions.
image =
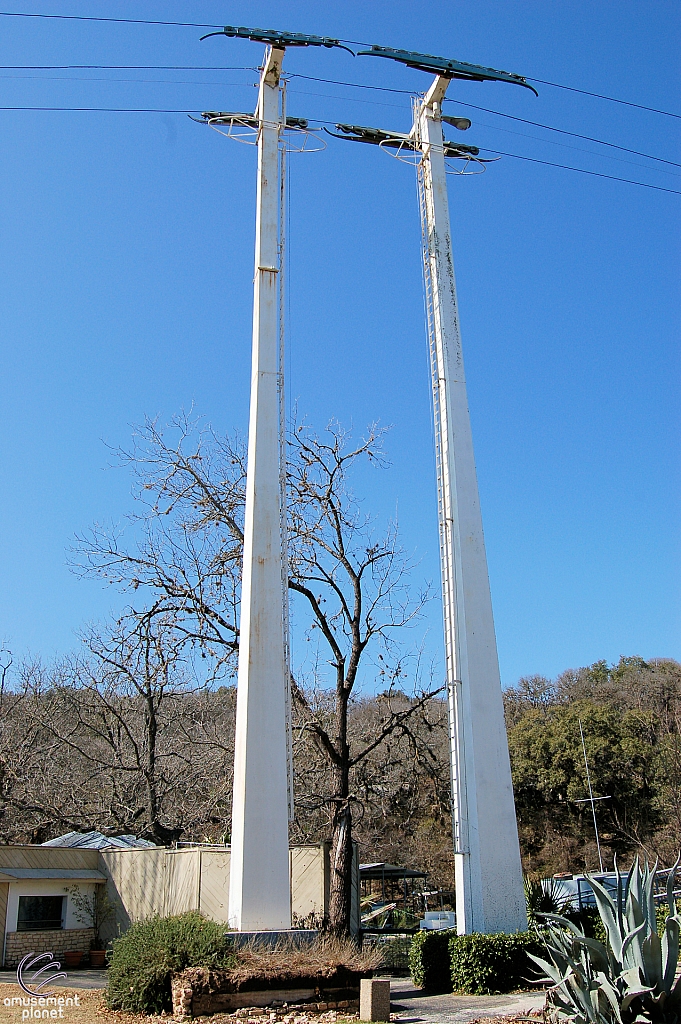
(125, 290)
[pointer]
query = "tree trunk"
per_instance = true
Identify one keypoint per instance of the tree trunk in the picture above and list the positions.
(341, 835)
(341, 871)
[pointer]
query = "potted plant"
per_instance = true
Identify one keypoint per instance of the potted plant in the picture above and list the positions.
(72, 958)
(93, 910)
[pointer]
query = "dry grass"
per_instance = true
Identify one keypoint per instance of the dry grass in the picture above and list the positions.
(325, 958)
(321, 959)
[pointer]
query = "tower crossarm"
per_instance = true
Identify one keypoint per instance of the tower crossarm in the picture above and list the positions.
(446, 67)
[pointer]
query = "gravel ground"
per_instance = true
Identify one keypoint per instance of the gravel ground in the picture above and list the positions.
(408, 1004)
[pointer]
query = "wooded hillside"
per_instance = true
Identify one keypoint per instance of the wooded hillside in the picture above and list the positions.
(75, 755)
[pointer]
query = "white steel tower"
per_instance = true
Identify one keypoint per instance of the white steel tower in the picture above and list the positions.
(489, 881)
(259, 885)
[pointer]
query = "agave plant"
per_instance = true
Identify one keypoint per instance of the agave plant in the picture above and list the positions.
(630, 978)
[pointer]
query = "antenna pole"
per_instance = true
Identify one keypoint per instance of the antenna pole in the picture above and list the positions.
(259, 886)
(489, 882)
(591, 796)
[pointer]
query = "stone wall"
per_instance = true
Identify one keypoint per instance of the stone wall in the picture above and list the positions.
(19, 944)
(201, 992)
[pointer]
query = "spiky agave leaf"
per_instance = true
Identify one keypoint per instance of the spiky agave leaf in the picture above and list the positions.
(610, 994)
(550, 970)
(670, 951)
(649, 897)
(608, 912)
(599, 954)
(651, 952)
(671, 901)
(631, 957)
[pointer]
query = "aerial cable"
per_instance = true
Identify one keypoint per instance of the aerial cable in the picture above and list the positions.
(112, 110)
(119, 21)
(576, 149)
(133, 81)
(489, 110)
(582, 170)
(350, 42)
(600, 96)
(406, 92)
(355, 85)
(118, 67)
(562, 131)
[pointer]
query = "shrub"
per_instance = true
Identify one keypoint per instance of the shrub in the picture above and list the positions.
(429, 961)
(483, 964)
(144, 958)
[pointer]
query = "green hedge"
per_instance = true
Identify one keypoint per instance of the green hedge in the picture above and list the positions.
(429, 961)
(144, 958)
(485, 964)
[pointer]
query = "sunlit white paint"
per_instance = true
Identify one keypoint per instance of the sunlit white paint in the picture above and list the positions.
(489, 882)
(259, 888)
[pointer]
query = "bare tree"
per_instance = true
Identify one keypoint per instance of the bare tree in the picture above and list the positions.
(357, 586)
(354, 585)
(32, 807)
(136, 744)
(188, 530)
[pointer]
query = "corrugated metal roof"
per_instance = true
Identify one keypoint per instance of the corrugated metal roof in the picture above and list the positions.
(381, 870)
(97, 841)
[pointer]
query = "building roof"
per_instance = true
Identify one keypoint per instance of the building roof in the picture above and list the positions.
(381, 870)
(97, 841)
(61, 874)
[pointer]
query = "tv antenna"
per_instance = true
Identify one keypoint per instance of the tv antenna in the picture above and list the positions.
(591, 799)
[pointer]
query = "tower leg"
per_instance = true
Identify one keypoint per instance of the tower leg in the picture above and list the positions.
(489, 883)
(259, 886)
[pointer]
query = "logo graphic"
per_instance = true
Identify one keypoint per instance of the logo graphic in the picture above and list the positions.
(30, 961)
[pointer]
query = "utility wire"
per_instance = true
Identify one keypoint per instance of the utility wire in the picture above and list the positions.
(116, 67)
(562, 131)
(309, 78)
(582, 170)
(600, 96)
(576, 149)
(135, 81)
(352, 42)
(355, 85)
(488, 110)
(113, 110)
(119, 21)
(196, 110)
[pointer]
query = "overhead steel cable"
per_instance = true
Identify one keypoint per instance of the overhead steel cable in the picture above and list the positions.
(112, 110)
(196, 110)
(563, 131)
(356, 85)
(117, 67)
(131, 81)
(576, 149)
(582, 170)
(119, 21)
(351, 42)
(489, 110)
(601, 96)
